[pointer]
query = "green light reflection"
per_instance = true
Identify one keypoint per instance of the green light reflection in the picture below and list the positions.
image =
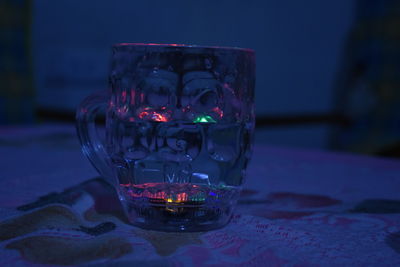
(203, 119)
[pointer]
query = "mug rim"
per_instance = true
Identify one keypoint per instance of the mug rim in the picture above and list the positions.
(183, 46)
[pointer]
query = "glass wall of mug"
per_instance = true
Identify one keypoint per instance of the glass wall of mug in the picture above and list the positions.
(179, 129)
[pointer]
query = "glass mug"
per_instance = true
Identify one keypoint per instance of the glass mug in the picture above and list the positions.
(179, 130)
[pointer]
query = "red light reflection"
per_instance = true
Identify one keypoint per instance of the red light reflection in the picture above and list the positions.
(152, 44)
(219, 112)
(160, 196)
(153, 115)
(122, 111)
(158, 117)
(143, 114)
(182, 197)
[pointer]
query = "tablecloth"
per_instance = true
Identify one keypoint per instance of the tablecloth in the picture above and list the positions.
(298, 208)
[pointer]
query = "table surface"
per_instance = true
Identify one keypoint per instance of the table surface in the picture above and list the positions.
(298, 208)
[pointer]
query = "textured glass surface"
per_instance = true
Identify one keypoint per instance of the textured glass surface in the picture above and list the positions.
(180, 122)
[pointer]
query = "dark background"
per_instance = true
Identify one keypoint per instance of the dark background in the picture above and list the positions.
(327, 71)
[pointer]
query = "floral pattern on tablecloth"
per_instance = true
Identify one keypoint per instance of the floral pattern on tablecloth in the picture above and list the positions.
(85, 224)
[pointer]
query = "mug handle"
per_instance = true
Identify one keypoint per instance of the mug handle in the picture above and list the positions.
(88, 135)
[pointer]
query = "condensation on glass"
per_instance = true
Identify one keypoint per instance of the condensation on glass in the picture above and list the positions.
(179, 127)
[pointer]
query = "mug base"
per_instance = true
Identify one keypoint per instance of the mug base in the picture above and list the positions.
(178, 207)
(184, 218)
